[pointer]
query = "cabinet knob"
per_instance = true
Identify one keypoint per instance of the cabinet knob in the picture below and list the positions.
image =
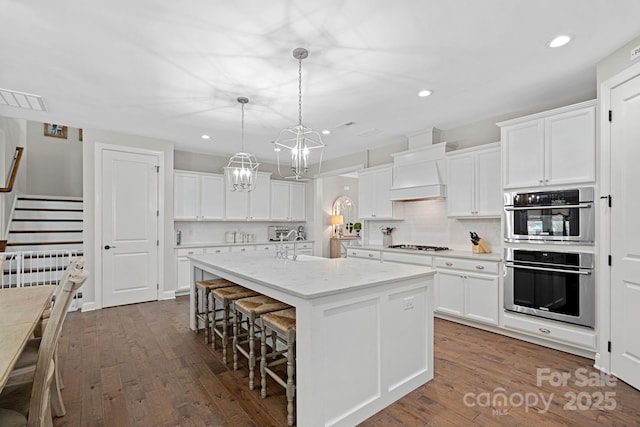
(544, 330)
(243, 249)
(480, 267)
(448, 264)
(370, 255)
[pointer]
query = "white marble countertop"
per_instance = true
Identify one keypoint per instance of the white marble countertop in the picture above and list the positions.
(311, 277)
(494, 256)
(218, 244)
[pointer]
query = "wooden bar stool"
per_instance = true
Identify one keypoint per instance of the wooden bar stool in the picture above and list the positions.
(247, 311)
(204, 288)
(225, 296)
(283, 323)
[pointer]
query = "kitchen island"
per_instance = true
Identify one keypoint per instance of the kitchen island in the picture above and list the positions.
(364, 329)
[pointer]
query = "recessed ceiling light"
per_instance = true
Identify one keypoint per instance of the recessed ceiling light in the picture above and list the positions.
(326, 132)
(424, 93)
(560, 40)
(205, 137)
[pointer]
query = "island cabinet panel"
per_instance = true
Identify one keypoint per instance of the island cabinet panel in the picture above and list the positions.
(390, 355)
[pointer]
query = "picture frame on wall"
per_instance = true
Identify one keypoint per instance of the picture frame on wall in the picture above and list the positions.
(55, 130)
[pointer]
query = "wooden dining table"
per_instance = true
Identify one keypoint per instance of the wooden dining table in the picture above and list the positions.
(20, 311)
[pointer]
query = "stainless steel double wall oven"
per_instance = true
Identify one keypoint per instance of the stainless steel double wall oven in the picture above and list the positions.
(557, 284)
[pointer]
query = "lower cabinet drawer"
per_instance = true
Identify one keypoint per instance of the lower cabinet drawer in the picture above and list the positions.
(490, 267)
(304, 245)
(217, 250)
(192, 251)
(363, 253)
(242, 248)
(568, 334)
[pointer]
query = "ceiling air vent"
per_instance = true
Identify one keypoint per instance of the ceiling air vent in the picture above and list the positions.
(369, 132)
(29, 101)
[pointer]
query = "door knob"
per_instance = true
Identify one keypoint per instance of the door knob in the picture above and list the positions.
(107, 247)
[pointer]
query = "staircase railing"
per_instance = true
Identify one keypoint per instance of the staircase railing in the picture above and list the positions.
(35, 268)
(14, 171)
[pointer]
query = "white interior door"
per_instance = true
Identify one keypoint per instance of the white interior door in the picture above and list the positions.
(625, 232)
(129, 227)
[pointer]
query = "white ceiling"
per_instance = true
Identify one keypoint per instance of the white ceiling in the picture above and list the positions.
(174, 69)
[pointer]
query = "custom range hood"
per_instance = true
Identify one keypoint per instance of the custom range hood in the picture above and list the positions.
(420, 173)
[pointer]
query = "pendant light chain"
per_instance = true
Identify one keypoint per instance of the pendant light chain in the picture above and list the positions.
(300, 91)
(242, 140)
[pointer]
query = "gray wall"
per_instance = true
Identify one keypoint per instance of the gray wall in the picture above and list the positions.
(55, 164)
(13, 133)
(616, 62)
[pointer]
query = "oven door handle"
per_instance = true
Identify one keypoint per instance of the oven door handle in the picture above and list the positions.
(528, 208)
(553, 270)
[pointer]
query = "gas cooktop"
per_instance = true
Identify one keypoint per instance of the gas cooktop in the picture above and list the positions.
(420, 247)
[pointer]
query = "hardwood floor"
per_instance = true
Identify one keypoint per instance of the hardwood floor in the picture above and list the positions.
(140, 365)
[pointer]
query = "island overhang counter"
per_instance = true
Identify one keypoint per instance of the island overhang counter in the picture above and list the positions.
(364, 329)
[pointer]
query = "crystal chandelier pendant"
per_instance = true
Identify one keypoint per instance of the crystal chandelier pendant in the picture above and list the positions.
(298, 142)
(242, 171)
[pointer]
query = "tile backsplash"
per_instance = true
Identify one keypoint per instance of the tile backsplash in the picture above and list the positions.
(426, 223)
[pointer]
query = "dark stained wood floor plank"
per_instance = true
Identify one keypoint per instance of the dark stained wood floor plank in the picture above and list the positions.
(140, 365)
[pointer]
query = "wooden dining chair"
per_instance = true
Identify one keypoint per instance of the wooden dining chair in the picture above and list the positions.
(26, 364)
(29, 404)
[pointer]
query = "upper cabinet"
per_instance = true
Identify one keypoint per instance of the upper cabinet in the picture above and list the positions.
(473, 183)
(373, 193)
(288, 201)
(555, 147)
(198, 196)
(250, 206)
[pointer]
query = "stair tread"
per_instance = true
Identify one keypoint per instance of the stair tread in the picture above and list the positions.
(48, 199)
(44, 243)
(48, 219)
(46, 231)
(48, 209)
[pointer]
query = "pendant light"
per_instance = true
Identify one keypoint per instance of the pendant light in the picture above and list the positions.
(242, 171)
(298, 142)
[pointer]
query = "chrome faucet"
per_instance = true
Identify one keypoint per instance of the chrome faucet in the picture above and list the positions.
(282, 252)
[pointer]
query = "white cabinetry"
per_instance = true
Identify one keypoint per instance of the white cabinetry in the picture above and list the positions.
(560, 332)
(304, 248)
(473, 185)
(405, 258)
(468, 289)
(182, 269)
(198, 196)
(288, 201)
(253, 205)
(373, 193)
(555, 147)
